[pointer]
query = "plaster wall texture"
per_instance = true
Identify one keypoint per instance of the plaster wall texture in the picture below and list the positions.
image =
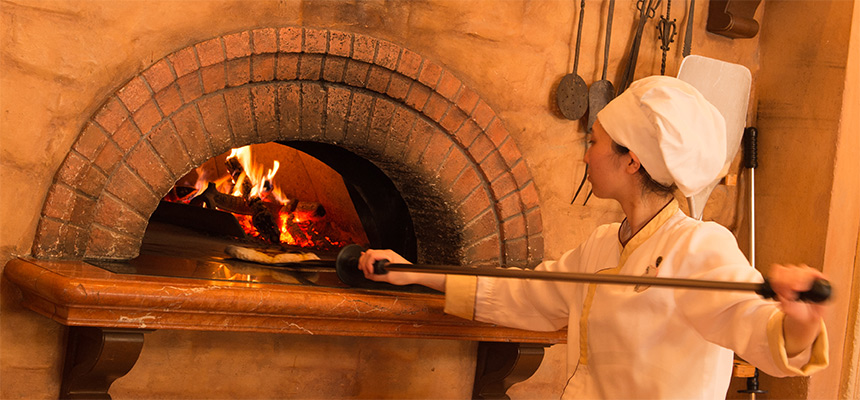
(61, 59)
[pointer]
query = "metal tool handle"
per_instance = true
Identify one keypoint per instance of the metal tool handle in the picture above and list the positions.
(819, 292)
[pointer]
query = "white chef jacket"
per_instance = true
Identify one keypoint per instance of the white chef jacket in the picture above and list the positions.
(628, 341)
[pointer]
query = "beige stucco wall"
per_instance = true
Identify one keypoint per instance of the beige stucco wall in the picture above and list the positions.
(61, 59)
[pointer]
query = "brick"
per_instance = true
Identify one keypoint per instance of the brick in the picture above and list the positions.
(213, 78)
(170, 149)
(534, 222)
(482, 226)
(509, 206)
(93, 182)
(466, 100)
(494, 166)
(359, 118)
(409, 64)
(481, 148)
(241, 115)
(313, 109)
(210, 52)
(169, 99)
(90, 141)
(290, 40)
(484, 250)
(48, 239)
(436, 152)
(59, 202)
(515, 227)
(147, 116)
(398, 88)
(316, 41)
(378, 79)
(430, 74)
(290, 105)
(452, 167)
(449, 86)
(287, 67)
(387, 55)
(402, 123)
(356, 73)
(497, 132)
(106, 244)
(521, 173)
(265, 112)
(216, 123)
(264, 41)
(147, 165)
(535, 244)
(418, 95)
(184, 61)
(126, 136)
(473, 204)
(191, 87)
(134, 94)
(262, 67)
(516, 253)
(483, 114)
(131, 189)
(529, 196)
(111, 115)
(340, 44)
(453, 119)
(238, 72)
(310, 67)
(380, 121)
(337, 108)
(73, 168)
(418, 141)
(108, 158)
(467, 133)
(118, 216)
(364, 48)
(509, 152)
(190, 131)
(237, 45)
(466, 183)
(333, 69)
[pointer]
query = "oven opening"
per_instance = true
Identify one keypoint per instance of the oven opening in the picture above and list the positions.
(276, 212)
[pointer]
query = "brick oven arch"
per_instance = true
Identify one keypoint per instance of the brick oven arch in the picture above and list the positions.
(405, 113)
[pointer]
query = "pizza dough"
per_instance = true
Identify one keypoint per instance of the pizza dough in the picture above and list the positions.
(252, 255)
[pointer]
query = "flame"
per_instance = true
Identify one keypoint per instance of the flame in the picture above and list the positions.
(254, 180)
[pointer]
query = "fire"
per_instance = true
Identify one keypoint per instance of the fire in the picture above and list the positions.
(249, 191)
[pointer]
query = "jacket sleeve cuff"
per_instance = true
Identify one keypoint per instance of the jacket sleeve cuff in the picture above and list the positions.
(805, 363)
(460, 292)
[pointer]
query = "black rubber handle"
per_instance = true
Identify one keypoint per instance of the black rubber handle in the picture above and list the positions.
(379, 267)
(750, 140)
(818, 293)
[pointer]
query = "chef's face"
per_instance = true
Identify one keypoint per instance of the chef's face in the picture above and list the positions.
(606, 167)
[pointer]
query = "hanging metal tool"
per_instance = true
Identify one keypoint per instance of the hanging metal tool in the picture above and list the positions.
(750, 140)
(688, 35)
(645, 12)
(666, 34)
(572, 92)
(347, 261)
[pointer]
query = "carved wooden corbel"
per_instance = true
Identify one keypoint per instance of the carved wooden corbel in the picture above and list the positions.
(733, 18)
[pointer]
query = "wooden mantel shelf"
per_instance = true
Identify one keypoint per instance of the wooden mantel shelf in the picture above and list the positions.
(76, 293)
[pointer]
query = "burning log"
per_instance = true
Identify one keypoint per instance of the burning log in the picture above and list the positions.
(237, 172)
(212, 198)
(264, 221)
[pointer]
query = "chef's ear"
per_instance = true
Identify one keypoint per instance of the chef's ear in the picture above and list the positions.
(634, 164)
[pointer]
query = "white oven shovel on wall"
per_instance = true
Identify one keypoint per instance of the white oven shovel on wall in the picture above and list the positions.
(727, 87)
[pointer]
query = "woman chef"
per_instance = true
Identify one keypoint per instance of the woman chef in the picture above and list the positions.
(639, 341)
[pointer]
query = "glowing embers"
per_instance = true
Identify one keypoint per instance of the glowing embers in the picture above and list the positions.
(277, 194)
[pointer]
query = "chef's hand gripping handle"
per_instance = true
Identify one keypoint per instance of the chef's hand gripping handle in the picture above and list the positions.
(818, 293)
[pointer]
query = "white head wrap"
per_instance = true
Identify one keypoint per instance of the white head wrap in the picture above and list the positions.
(678, 136)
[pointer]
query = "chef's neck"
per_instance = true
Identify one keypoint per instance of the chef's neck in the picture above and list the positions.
(642, 209)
